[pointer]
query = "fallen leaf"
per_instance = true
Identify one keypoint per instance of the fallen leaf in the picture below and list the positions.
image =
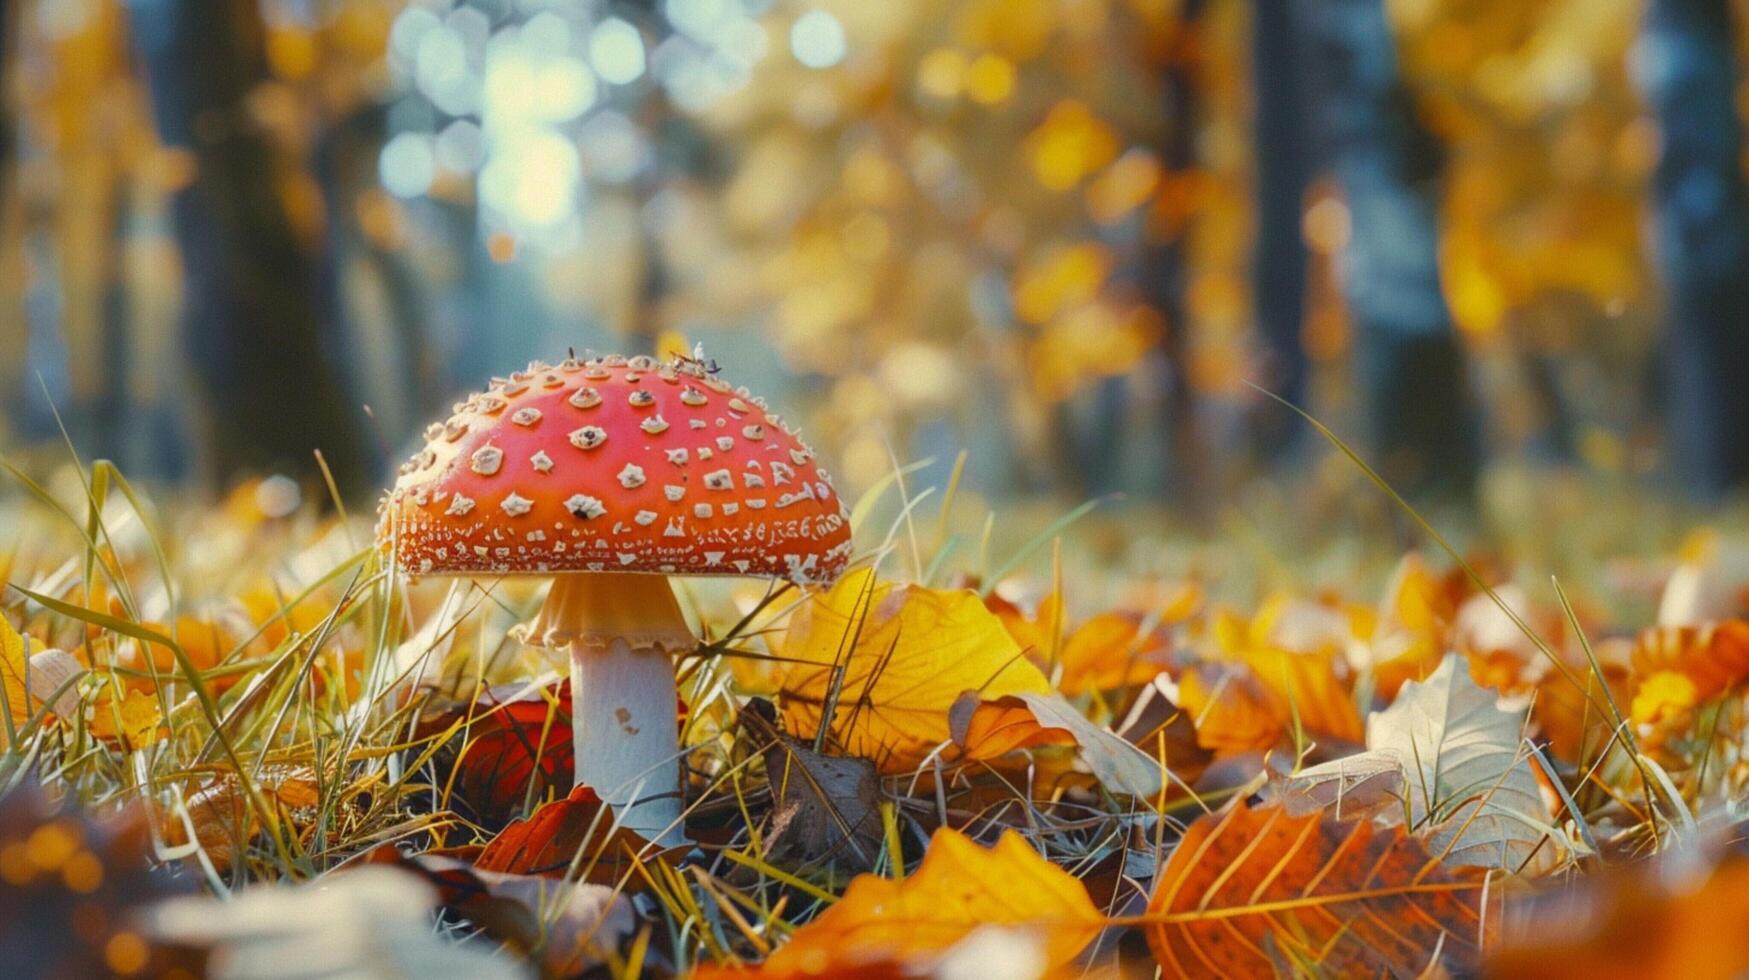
(1470, 791)
(825, 809)
(53, 679)
(12, 685)
(1113, 650)
(569, 927)
(1259, 892)
(1233, 711)
(223, 822)
(986, 729)
(1673, 917)
(958, 888)
(132, 721)
(890, 660)
(510, 748)
(576, 830)
(1714, 657)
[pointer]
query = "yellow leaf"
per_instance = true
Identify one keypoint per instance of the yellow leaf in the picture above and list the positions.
(891, 660)
(17, 698)
(133, 722)
(958, 888)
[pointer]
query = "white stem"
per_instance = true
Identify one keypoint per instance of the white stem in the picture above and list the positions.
(620, 632)
(626, 741)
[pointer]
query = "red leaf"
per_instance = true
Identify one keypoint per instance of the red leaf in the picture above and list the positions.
(575, 829)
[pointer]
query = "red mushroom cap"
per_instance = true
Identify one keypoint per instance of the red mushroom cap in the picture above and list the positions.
(615, 465)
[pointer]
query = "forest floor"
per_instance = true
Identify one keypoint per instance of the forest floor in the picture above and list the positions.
(1298, 734)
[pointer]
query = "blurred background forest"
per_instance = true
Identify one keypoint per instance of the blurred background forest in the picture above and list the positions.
(1068, 236)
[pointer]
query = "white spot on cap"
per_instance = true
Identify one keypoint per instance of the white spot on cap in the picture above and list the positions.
(585, 507)
(673, 491)
(754, 432)
(719, 480)
(731, 508)
(695, 423)
(541, 462)
(677, 457)
(692, 396)
(486, 460)
(713, 557)
(516, 505)
(584, 397)
(752, 481)
(645, 518)
(639, 398)
(701, 510)
(526, 416)
(632, 476)
(588, 437)
(725, 443)
(459, 504)
(654, 425)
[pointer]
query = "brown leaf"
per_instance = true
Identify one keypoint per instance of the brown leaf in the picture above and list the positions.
(568, 927)
(826, 809)
(1253, 892)
(223, 822)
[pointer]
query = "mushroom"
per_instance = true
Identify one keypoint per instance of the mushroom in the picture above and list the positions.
(610, 475)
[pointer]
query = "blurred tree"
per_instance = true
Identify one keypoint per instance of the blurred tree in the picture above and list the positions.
(1282, 144)
(1411, 366)
(261, 321)
(1687, 69)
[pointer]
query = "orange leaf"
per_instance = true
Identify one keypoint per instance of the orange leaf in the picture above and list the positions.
(1232, 710)
(1110, 650)
(133, 721)
(1714, 657)
(959, 887)
(1626, 925)
(1252, 892)
(985, 730)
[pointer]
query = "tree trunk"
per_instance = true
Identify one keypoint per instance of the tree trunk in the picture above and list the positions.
(1410, 364)
(1688, 73)
(1284, 162)
(1165, 277)
(261, 323)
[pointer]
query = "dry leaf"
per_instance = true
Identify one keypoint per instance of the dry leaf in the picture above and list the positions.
(1232, 710)
(1470, 791)
(988, 729)
(12, 685)
(1259, 892)
(958, 888)
(512, 748)
(1715, 656)
(1112, 650)
(132, 722)
(891, 660)
(826, 809)
(576, 830)
(1674, 917)
(223, 822)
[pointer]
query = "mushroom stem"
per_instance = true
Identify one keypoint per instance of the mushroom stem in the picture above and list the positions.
(621, 631)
